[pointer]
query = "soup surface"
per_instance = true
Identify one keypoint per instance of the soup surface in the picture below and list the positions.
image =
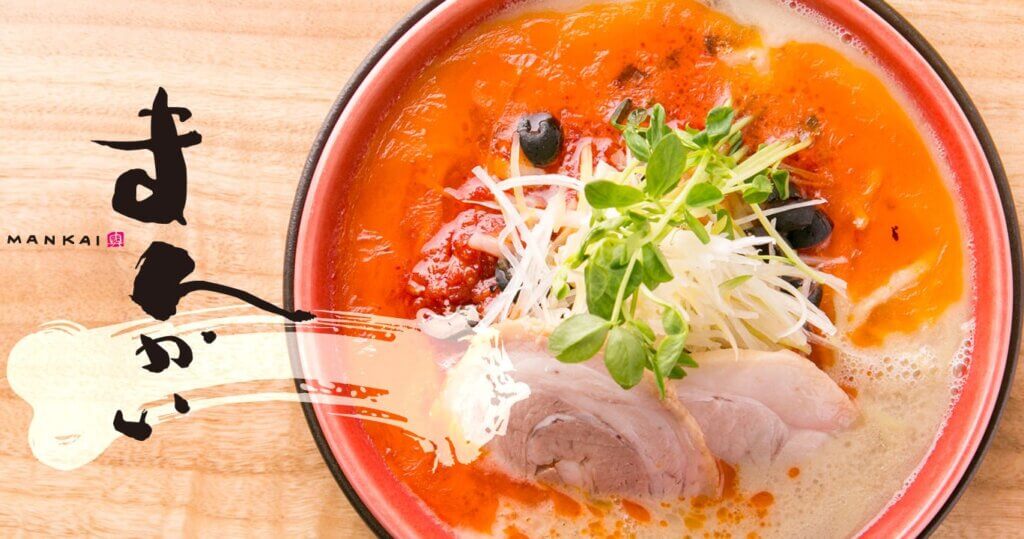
(902, 338)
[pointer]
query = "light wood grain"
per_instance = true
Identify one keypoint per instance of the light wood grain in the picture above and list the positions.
(260, 76)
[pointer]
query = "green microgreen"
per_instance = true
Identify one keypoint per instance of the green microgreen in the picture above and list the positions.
(666, 166)
(625, 356)
(603, 194)
(578, 338)
(674, 179)
(704, 195)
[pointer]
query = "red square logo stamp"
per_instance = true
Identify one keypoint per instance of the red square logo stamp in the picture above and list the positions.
(115, 239)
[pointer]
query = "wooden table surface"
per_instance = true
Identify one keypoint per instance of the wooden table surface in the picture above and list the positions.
(259, 77)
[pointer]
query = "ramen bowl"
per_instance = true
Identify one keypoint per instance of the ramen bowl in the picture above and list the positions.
(988, 218)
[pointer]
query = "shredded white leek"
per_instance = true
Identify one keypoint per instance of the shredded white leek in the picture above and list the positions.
(782, 209)
(763, 312)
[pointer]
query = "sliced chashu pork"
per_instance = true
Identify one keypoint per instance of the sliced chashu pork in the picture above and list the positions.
(578, 428)
(762, 406)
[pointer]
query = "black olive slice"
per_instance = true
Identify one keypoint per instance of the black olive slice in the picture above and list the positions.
(540, 137)
(817, 230)
(813, 293)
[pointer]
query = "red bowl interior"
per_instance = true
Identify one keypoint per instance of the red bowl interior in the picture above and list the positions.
(402, 515)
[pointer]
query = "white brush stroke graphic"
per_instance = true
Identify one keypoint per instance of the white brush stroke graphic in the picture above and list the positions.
(452, 397)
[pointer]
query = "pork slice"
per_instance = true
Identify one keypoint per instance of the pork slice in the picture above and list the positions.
(755, 406)
(578, 428)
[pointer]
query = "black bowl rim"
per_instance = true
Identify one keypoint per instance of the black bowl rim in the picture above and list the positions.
(883, 10)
